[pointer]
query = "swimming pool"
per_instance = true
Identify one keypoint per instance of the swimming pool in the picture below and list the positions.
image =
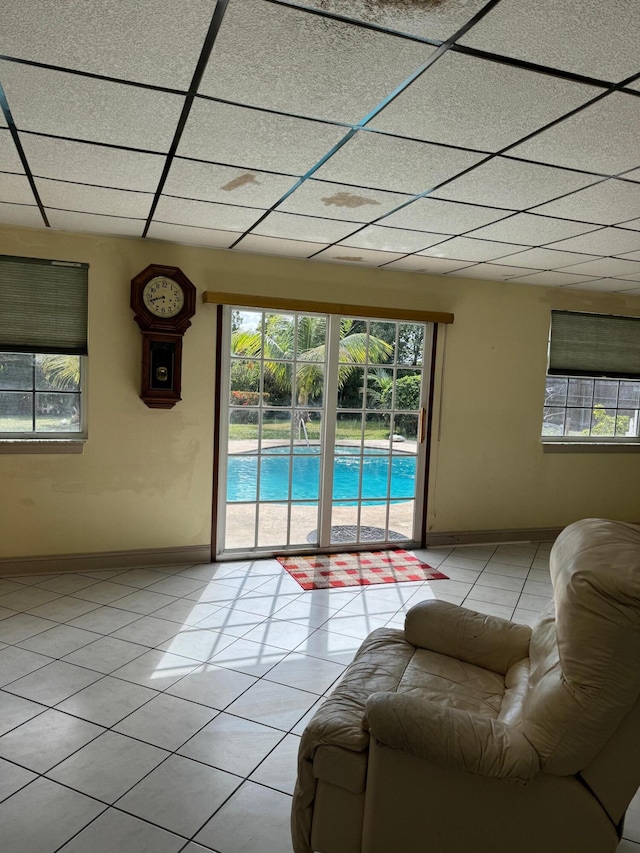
(274, 476)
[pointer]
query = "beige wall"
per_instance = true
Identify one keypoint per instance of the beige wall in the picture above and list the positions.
(144, 479)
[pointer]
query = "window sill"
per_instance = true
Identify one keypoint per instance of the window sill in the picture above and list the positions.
(36, 445)
(590, 447)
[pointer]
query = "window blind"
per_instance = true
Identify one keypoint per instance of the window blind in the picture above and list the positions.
(594, 345)
(43, 306)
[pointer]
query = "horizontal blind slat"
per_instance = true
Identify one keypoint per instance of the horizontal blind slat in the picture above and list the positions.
(43, 306)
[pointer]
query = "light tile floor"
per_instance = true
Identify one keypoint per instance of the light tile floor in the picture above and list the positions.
(160, 710)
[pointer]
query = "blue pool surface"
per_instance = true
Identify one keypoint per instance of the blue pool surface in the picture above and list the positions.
(275, 467)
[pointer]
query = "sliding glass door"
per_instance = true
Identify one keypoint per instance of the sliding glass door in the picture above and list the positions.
(322, 434)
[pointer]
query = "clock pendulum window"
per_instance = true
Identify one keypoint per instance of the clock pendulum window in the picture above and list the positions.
(163, 301)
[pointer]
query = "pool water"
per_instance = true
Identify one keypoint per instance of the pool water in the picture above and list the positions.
(305, 485)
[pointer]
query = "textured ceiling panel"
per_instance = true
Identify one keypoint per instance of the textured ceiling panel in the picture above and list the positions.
(209, 182)
(606, 241)
(9, 159)
(631, 256)
(373, 160)
(337, 201)
(609, 203)
(513, 184)
(306, 228)
(546, 259)
(604, 285)
(633, 224)
(261, 48)
(204, 214)
(392, 239)
(605, 266)
(278, 246)
(155, 42)
(192, 235)
(64, 220)
(530, 229)
(15, 189)
(441, 105)
(586, 37)
(425, 19)
(443, 217)
(253, 139)
(92, 164)
(435, 266)
(357, 257)
(68, 105)
(66, 196)
(552, 279)
(21, 214)
(467, 249)
(495, 271)
(586, 141)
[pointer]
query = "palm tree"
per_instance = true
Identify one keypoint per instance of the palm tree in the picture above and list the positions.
(61, 371)
(282, 339)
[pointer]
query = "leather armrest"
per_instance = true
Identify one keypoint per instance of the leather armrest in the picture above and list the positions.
(487, 641)
(463, 741)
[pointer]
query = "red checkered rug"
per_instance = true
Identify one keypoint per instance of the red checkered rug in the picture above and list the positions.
(321, 571)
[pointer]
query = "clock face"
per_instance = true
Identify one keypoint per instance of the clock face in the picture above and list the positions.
(163, 297)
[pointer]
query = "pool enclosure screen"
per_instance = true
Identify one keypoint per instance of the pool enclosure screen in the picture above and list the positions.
(322, 437)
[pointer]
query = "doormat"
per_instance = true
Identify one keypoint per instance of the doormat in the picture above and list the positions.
(324, 571)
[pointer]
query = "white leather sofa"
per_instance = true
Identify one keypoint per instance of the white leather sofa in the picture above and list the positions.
(467, 733)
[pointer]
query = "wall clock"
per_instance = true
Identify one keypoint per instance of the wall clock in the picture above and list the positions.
(163, 301)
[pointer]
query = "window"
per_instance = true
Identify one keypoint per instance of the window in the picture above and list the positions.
(43, 345)
(593, 380)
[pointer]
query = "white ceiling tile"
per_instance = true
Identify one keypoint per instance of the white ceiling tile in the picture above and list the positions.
(205, 214)
(633, 224)
(209, 182)
(467, 249)
(586, 37)
(374, 160)
(497, 272)
(546, 259)
(392, 239)
(252, 139)
(277, 246)
(428, 20)
(153, 42)
(308, 228)
(80, 197)
(92, 164)
(356, 257)
(94, 223)
(15, 189)
(607, 267)
(443, 217)
(531, 229)
(192, 235)
(511, 183)
(442, 104)
(606, 241)
(322, 198)
(418, 263)
(9, 159)
(632, 175)
(82, 108)
(282, 59)
(631, 256)
(442, 266)
(606, 203)
(585, 140)
(552, 279)
(21, 214)
(604, 285)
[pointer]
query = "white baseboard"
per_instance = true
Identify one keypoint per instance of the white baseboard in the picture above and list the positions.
(481, 537)
(106, 560)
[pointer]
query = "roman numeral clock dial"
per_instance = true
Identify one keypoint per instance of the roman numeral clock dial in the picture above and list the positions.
(163, 301)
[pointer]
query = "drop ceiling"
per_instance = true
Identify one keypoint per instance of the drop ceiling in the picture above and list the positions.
(493, 140)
